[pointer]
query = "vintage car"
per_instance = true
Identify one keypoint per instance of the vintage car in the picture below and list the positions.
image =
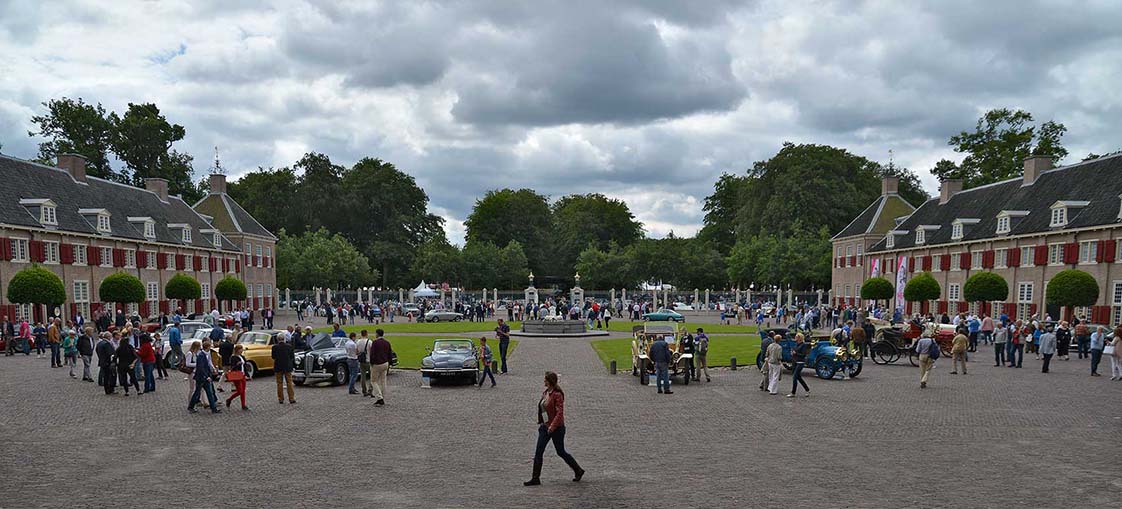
(682, 306)
(376, 311)
(826, 358)
(451, 358)
(438, 315)
(891, 342)
(326, 361)
(257, 348)
(199, 335)
(410, 309)
(24, 348)
(186, 329)
(664, 315)
(644, 336)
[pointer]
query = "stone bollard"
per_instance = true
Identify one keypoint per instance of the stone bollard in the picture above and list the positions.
(612, 367)
(732, 363)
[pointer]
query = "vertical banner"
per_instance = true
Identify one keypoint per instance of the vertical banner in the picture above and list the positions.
(901, 276)
(874, 267)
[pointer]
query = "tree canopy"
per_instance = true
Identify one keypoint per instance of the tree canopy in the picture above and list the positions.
(877, 288)
(36, 285)
(74, 127)
(1073, 288)
(996, 149)
(922, 287)
(182, 287)
(121, 288)
(504, 215)
(985, 287)
(318, 258)
(800, 259)
(230, 288)
(581, 220)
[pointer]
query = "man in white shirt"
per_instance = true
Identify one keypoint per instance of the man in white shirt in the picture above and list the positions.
(352, 362)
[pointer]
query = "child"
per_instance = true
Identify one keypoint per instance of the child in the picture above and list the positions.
(485, 357)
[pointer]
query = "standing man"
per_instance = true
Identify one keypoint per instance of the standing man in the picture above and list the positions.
(959, 348)
(106, 372)
(686, 346)
(660, 356)
(502, 333)
(380, 355)
(86, 351)
(798, 355)
(764, 366)
(974, 326)
(1017, 345)
(485, 356)
(1047, 347)
(1082, 338)
(54, 340)
(363, 348)
(987, 329)
(701, 355)
(352, 362)
(1098, 343)
(175, 341)
(284, 359)
(204, 373)
(773, 359)
(924, 346)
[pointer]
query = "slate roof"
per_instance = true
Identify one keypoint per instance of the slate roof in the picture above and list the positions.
(1098, 181)
(29, 180)
(878, 217)
(228, 216)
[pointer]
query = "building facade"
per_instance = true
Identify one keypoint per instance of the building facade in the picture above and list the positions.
(850, 266)
(1026, 230)
(84, 229)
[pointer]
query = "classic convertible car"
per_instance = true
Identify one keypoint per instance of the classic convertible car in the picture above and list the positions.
(326, 361)
(826, 358)
(437, 315)
(258, 350)
(664, 315)
(451, 358)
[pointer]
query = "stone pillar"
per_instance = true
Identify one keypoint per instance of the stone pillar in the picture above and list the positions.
(329, 296)
(819, 304)
(531, 295)
(287, 297)
(790, 296)
(442, 297)
(612, 298)
(748, 297)
(665, 297)
(495, 294)
(400, 295)
(706, 300)
(695, 302)
(315, 289)
(484, 295)
(370, 294)
(623, 295)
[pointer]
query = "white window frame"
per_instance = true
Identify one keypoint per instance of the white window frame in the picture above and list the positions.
(205, 266)
(890, 241)
(103, 224)
(51, 252)
(151, 260)
(860, 248)
(1116, 303)
(1059, 217)
(217, 240)
(921, 236)
(261, 259)
(937, 263)
(1055, 254)
(81, 291)
(169, 261)
(954, 292)
(956, 261)
(23, 312)
(260, 290)
(152, 291)
(249, 248)
(1004, 225)
(1025, 292)
(1027, 253)
(1000, 258)
(847, 289)
(80, 255)
(1087, 251)
(269, 291)
(48, 215)
(956, 231)
(205, 294)
(130, 258)
(21, 250)
(187, 235)
(149, 230)
(975, 260)
(106, 256)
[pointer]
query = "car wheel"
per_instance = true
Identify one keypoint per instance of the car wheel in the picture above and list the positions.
(169, 359)
(456, 319)
(298, 382)
(250, 370)
(435, 319)
(852, 370)
(342, 374)
(825, 369)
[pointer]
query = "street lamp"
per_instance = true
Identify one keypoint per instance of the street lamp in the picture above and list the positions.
(577, 278)
(531, 278)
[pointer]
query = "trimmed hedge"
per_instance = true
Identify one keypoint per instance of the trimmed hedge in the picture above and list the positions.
(183, 287)
(1073, 288)
(121, 288)
(922, 287)
(230, 288)
(985, 287)
(36, 285)
(877, 288)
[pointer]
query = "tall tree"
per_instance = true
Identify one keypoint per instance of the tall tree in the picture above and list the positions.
(76, 127)
(513, 266)
(720, 209)
(480, 269)
(437, 261)
(1001, 141)
(321, 257)
(142, 139)
(523, 215)
(591, 218)
(320, 192)
(605, 269)
(271, 197)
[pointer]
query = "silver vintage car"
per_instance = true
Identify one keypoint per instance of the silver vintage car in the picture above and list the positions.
(451, 358)
(438, 315)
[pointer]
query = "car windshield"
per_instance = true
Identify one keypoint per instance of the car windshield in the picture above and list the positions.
(452, 346)
(663, 310)
(254, 338)
(322, 341)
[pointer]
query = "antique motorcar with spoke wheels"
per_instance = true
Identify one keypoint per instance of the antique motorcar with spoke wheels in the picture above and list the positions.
(644, 336)
(437, 315)
(826, 358)
(326, 361)
(451, 359)
(891, 342)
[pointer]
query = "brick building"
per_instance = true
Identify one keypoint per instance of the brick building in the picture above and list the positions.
(84, 228)
(1025, 229)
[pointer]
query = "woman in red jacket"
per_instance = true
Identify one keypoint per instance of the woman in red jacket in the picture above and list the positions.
(147, 356)
(552, 427)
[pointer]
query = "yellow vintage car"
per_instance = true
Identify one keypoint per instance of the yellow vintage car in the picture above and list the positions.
(257, 348)
(643, 336)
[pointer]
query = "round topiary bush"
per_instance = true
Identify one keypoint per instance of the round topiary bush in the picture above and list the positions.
(36, 285)
(230, 288)
(121, 288)
(183, 287)
(877, 288)
(922, 287)
(1073, 288)
(985, 287)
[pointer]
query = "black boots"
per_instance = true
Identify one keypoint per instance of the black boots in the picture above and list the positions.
(536, 480)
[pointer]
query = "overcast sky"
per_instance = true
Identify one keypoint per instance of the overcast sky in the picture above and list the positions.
(648, 101)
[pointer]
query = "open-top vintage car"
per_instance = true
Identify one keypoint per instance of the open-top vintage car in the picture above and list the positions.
(644, 336)
(451, 358)
(826, 357)
(891, 342)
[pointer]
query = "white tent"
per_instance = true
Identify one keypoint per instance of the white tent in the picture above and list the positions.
(423, 290)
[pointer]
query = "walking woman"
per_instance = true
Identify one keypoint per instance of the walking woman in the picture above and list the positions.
(161, 369)
(551, 426)
(147, 356)
(189, 366)
(235, 375)
(70, 351)
(798, 354)
(1115, 352)
(126, 359)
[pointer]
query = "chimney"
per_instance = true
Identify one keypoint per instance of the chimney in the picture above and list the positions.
(217, 183)
(158, 186)
(889, 185)
(1034, 166)
(74, 164)
(949, 188)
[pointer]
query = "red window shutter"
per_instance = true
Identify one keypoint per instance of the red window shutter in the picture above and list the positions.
(1100, 251)
(237, 266)
(248, 259)
(1071, 253)
(1014, 257)
(987, 259)
(5, 249)
(197, 263)
(198, 305)
(1040, 255)
(945, 262)
(963, 306)
(180, 262)
(142, 259)
(927, 263)
(964, 261)
(1109, 247)
(942, 307)
(164, 306)
(1032, 311)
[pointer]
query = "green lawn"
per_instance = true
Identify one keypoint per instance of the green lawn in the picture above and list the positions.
(721, 349)
(439, 327)
(411, 349)
(710, 328)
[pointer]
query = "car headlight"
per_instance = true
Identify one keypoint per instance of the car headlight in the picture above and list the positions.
(427, 362)
(470, 363)
(299, 360)
(319, 361)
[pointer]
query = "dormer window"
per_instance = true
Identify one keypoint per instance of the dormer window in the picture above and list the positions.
(921, 236)
(958, 227)
(44, 208)
(1059, 217)
(149, 230)
(956, 231)
(1003, 225)
(103, 225)
(187, 235)
(1005, 220)
(47, 215)
(890, 238)
(217, 240)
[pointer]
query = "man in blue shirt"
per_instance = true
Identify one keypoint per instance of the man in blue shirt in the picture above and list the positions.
(175, 341)
(660, 356)
(217, 334)
(338, 332)
(204, 373)
(974, 325)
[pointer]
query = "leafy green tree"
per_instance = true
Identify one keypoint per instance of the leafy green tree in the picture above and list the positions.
(800, 259)
(78, 128)
(591, 218)
(606, 269)
(985, 287)
(437, 261)
(1072, 288)
(721, 209)
(320, 192)
(36, 285)
(504, 215)
(480, 265)
(876, 289)
(922, 287)
(321, 258)
(703, 266)
(272, 197)
(142, 139)
(749, 260)
(997, 148)
(229, 288)
(513, 266)
(121, 288)
(182, 287)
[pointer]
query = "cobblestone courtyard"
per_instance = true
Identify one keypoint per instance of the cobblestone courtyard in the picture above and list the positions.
(998, 437)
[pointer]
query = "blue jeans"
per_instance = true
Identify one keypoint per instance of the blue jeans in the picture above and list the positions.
(1084, 346)
(149, 378)
(352, 364)
(558, 438)
(503, 347)
(200, 386)
(797, 378)
(56, 349)
(136, 371)
(486, 373)
(662, 376)
(1096, 357)
(973, 341)
(1016, 354)
(986, 336)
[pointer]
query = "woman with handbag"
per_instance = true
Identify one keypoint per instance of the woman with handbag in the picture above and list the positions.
(236, 375)
(551, 426)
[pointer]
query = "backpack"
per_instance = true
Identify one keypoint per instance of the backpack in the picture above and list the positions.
(933, 350)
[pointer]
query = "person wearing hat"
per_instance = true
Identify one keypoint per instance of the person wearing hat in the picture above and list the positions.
(70, 350)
